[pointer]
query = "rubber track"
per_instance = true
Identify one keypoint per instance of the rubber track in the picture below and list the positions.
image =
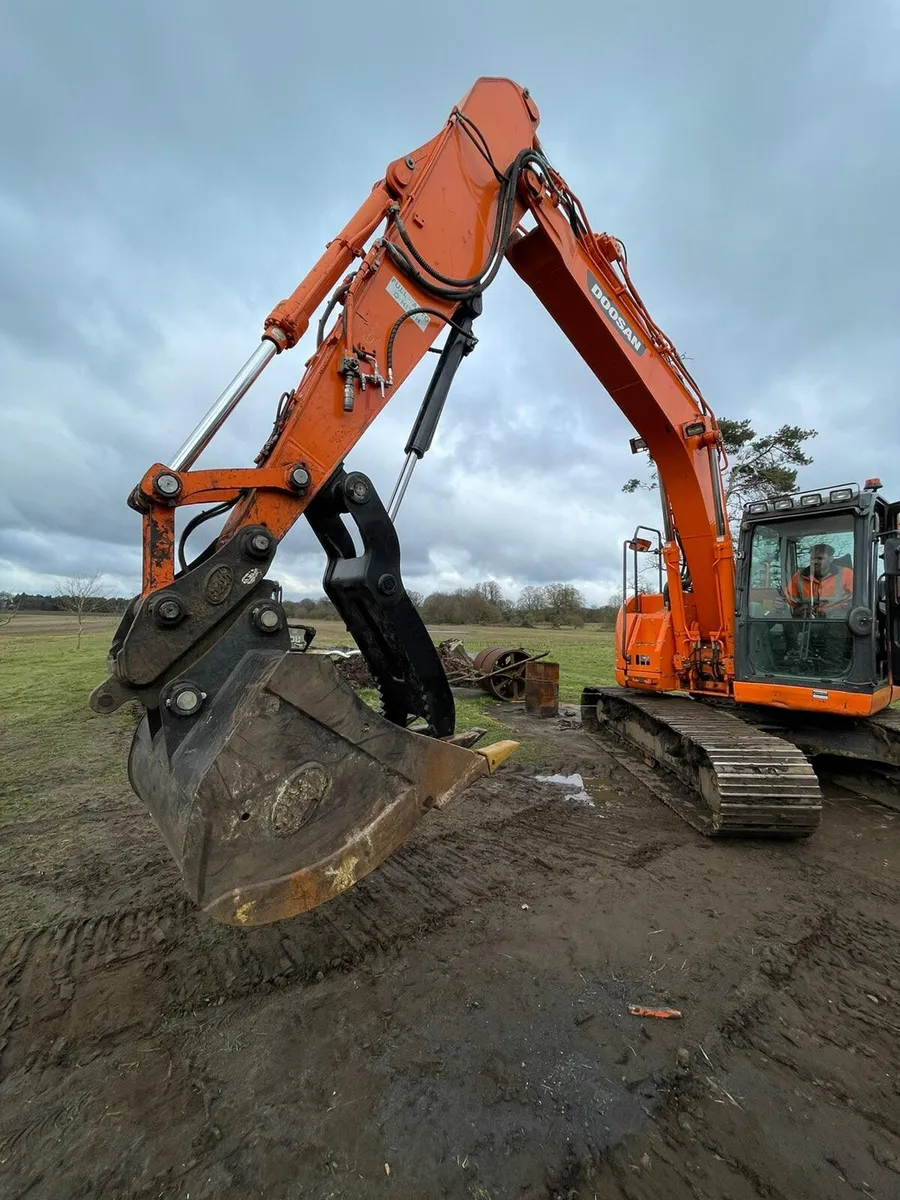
(183, 962)
(725, 778)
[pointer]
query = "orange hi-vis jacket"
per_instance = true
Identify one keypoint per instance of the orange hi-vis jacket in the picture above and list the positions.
(826, 593)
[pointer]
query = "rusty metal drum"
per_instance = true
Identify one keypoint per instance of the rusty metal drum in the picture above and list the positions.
(542, 689)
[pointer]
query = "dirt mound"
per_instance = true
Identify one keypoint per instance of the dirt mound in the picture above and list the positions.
(351, 666)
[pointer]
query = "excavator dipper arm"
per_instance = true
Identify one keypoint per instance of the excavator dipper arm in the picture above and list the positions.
(274, 786)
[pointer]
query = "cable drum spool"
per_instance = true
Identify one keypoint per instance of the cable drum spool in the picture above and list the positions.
(504, 672)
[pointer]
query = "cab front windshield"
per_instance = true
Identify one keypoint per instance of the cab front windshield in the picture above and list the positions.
(801, 590)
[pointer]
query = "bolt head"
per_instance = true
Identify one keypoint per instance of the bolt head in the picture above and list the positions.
(267, 620)
(410, 161)
(300, 477)
(170, 610)
(167, 485)
(260, 542)
(359, 491)
(187, 701)
(387, 585)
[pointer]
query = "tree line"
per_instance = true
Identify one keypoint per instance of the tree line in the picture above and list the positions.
(553, 604)
(35, 602)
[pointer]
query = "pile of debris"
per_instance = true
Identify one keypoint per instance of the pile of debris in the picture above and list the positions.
(350, 664)
(352, 667)
(459, 666)
(497, 670)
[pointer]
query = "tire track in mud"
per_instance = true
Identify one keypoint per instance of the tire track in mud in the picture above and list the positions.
(841, 1005)
(85, 980)
(797, 1024)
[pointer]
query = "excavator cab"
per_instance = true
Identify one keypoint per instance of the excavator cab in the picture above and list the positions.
(816, 620)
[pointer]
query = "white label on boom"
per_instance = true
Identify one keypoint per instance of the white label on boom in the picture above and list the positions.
(399, 293)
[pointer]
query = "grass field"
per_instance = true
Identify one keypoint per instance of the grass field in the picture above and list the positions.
(584, 655)
(47, 731)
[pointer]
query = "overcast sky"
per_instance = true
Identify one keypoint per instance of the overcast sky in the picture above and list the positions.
(171, 170)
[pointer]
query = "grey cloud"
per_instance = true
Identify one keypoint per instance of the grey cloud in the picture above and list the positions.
(182, 166)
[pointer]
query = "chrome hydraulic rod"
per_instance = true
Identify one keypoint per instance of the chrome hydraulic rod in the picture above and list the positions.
(205, 431)
(402, 483)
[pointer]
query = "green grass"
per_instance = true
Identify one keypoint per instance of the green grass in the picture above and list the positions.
(48, 734)
(485, 713)
(44, 677)
(59, 762)
(49, 738)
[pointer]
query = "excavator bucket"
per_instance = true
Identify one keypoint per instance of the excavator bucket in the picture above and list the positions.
(286, 788)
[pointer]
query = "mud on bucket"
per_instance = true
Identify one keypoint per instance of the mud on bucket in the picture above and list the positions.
(286, 788)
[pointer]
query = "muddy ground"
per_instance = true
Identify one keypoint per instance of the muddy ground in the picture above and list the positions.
(458, 1025)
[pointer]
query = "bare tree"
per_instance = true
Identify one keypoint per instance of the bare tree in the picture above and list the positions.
(564, 604)
(531, 604)
(80, 595)
(9, 606)
(648, 585)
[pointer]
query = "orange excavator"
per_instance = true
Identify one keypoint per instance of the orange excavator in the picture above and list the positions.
(273, 784)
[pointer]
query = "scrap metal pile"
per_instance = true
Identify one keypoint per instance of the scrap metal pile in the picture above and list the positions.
(497, 670)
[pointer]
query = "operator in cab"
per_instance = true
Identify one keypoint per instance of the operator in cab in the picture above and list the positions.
(822, 589)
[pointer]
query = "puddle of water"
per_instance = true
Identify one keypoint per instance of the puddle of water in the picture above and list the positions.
(563, 780)
(603, 796)
(576, 792)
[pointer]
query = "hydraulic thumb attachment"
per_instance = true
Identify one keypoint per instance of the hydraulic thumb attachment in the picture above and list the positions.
(285, 788)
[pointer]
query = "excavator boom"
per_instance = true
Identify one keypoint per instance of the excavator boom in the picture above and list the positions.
(273, 785)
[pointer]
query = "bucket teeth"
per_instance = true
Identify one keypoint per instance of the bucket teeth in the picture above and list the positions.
(497, 753)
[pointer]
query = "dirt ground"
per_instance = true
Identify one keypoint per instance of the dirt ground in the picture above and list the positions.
(457, 1025)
